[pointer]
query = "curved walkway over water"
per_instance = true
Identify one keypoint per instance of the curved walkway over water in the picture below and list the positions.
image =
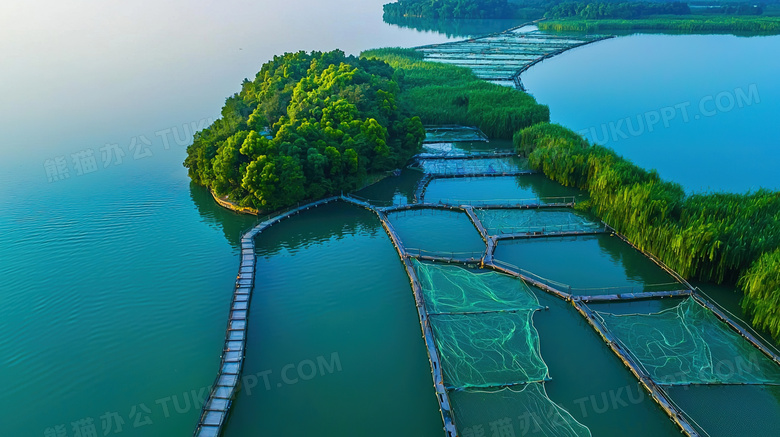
(216, 409)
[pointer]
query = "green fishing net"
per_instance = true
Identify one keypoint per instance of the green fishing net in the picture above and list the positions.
(688, 344)
(512, 412)
(452, 289)
(453, 134)
(483, 326)
(488, 350)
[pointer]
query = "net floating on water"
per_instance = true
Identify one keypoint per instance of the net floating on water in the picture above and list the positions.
(688, 344)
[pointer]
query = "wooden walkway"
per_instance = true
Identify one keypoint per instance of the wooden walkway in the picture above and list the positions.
(543, 234)
(216, 409)
(625, 297)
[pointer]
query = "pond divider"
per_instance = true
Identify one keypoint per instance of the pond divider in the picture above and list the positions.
(543, 233)
(216, 408)
(469, 156)
(625, 297)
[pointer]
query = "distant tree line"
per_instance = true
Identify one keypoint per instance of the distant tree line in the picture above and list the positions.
(308, 125)
(626, 11)
(449, 9)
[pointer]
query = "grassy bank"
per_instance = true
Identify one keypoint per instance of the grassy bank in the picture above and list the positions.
(720, 237)
(447, 94)
(681, 24)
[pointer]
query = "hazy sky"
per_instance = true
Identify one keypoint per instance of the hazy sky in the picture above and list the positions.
(90, 72)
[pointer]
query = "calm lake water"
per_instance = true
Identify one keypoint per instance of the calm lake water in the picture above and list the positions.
(701, 109)
(115, 280)
(115, 275)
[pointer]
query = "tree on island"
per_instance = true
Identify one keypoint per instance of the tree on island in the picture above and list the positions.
(307, 126)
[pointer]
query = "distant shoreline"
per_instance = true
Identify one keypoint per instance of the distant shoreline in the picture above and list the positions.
(757, 25)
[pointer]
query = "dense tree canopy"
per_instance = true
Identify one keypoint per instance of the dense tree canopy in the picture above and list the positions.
(449, 9)
(627, 10)
(308, 125)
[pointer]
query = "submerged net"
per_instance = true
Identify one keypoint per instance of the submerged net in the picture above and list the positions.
(488, 350)
(516, 221)
(471, 166)
(451, 289)
(688, 344)
(512, 412)
(483, 326)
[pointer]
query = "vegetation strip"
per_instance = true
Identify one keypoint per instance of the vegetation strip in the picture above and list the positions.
(746, 24)
(712, 237)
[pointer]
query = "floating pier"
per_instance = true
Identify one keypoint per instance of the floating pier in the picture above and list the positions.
(626, 297)
(543, 234)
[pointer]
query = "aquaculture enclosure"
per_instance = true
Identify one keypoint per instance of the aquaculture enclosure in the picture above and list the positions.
(502, 57)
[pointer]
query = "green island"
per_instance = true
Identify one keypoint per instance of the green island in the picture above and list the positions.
(334, 119)
(307, 126)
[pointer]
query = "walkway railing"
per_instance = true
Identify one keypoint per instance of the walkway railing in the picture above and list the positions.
(532, 203)
(542, 233)
(476, 154)
(461, 257)
(548, 229)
